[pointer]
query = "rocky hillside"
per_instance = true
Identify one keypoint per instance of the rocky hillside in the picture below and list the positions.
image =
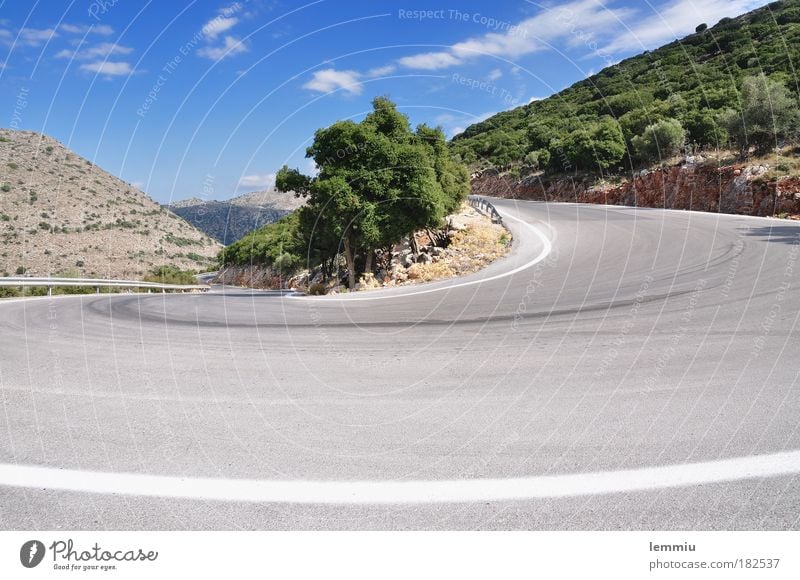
(228, 221)
(738, 189)
(60, 214)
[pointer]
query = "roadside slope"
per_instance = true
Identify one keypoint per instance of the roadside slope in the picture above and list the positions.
(59, 213)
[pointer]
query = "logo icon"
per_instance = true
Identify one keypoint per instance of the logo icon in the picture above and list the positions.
(31, 553)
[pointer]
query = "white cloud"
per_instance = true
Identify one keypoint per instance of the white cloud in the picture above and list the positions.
(381, 71)
(107, 68)
(677, 19)
(102, 29)
(212, 30)
(103, 50)
(576, 22)
(35, 36)
(329, 80)
(230, 47)
(495, 74)
(263, 181)
(218, 25)
(430, 60)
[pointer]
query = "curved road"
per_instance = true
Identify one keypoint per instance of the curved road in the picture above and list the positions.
(622, 369)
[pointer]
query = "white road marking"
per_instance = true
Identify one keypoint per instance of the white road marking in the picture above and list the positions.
(402, 492)
(380, 295)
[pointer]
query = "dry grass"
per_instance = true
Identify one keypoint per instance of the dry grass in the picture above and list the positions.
(476, 247)
(785, 162)
(428, 272)
(471, 249)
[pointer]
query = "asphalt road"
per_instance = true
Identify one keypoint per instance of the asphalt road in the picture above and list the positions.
(634, 369)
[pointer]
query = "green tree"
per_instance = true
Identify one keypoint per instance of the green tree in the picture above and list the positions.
(768, 115)
(451, 174)
(659, 140)
(378, 181)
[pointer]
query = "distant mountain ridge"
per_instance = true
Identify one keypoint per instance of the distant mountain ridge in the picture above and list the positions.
(229, 221)
(61, 214)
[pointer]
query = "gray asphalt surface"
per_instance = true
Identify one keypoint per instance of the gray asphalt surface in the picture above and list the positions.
(645, 338)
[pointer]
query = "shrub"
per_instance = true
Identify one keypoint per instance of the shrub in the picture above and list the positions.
(598, 145)
(171, 275)
(538, 159)
(704, 129)
(660, 140)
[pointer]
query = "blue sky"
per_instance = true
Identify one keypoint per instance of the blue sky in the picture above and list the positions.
(209, 99)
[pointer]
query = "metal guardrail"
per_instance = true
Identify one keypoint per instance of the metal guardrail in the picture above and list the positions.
(97, 283)
(486, 208)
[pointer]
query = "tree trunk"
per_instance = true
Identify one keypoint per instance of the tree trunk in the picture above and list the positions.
(369, 259)
(432, 237)
(351, 264)
(412, 241)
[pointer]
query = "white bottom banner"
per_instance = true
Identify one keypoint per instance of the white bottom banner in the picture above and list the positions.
(389, 555)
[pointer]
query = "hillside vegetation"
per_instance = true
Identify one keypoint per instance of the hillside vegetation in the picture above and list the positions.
(729, 86)
(62, 215)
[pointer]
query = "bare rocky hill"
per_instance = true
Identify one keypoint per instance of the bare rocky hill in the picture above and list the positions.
(60, 214)
(228, 221)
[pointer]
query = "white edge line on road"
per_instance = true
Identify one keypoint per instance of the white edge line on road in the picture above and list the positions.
(402, 492)
(547, 248)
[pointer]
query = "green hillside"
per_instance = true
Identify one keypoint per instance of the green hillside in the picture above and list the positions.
(696, 81)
